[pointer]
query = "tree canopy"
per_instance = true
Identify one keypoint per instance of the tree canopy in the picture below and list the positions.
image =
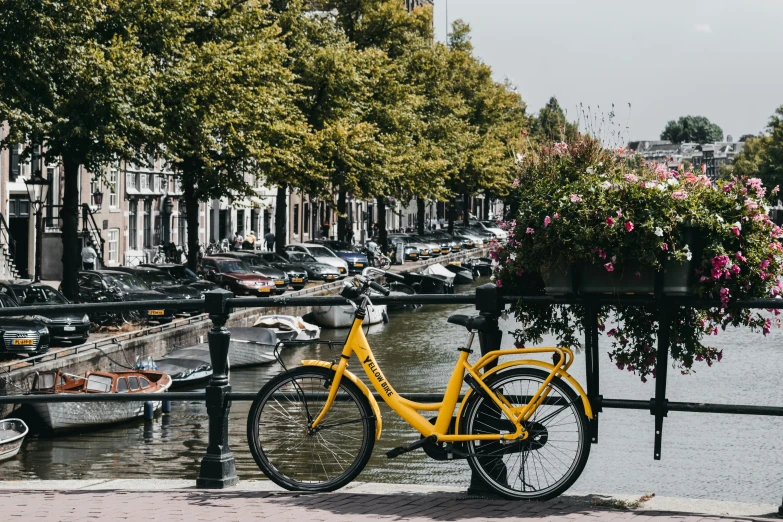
(692, 129)
(762, 157)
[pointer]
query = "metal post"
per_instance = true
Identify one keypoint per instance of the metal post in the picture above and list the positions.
(591, 364)
(659, 405)
(490, 307)
(38, 241)
(218, 469)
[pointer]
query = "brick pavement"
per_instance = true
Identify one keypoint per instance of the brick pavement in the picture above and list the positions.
(226, 506)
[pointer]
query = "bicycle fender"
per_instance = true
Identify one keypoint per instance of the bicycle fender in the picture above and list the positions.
(546, 366)
(363, 387)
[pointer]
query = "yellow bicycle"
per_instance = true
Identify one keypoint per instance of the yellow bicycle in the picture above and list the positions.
(522, 425)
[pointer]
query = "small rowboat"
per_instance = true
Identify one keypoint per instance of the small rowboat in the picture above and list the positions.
(12, 434)
(61, 416)
(186, 366)
(251, 346)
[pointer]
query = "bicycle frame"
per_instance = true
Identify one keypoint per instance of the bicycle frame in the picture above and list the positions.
(409, 410)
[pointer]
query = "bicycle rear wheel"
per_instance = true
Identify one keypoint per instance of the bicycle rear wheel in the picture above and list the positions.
(296, 457)
(553, 456)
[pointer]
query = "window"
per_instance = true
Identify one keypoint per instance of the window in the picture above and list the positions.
(14, 171)
(114, 245)
(93, 190)
(98, 383)
(146, 223)
(182, 222)
(241, 222)
(306, 219)
(145, 181)
(133, 383)
(52, 211)
(133, 213)
(114, 196)
(296, 218)
(144, 382)
(122, 385)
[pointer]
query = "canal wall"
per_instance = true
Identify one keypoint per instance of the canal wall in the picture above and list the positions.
(121, 351)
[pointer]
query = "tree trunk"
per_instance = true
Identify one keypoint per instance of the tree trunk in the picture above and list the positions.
(70, 226)
(382, 239)
(193, 218)
(281, 215)
(487, 203)
(452, 211)
(420, 215)
(466, 214)
(341, 217)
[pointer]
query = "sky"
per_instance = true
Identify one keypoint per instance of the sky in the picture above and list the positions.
(714, 58)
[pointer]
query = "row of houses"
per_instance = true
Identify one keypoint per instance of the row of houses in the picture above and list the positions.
(128, 210)
(711, 155)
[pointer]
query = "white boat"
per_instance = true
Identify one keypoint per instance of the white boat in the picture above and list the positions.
(288, 327)
(441, 272)
(251, 346)
(12, 434)
(341, 316)
(62, 416)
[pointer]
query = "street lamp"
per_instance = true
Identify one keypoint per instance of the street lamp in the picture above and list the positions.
(168, 209)
(97, 197)
(38, 191)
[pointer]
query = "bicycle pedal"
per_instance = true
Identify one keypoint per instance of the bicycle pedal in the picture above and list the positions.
(396, 452)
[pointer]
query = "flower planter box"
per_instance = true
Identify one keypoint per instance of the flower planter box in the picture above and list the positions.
(595, 279)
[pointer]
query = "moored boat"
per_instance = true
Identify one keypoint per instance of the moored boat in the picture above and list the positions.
(12, 434)
(462, 275)
(401, 289)
(186, 366)
(62, 416)
(289, 327)
(341, 316)
(252, 346)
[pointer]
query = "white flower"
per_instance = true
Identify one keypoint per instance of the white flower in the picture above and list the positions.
(512, 256)
(492, 278)
(673, 182)
(660, 186)
(605, 185)
(689, 256)
(720, 219)
(659, 231)
(590, 170)
(738, 225)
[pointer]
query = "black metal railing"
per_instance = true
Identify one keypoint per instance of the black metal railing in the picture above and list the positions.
(218, 469)
(91, 230)
(6, 239)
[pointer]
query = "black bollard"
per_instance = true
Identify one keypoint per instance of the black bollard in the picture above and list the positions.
(218, 469)
(489, 306)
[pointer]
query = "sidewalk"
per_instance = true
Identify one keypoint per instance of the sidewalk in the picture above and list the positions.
(174, 500)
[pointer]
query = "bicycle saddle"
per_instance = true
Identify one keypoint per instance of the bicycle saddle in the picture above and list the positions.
(471, 322)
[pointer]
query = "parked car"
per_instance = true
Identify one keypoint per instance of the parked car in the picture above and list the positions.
(107, 286)
(260, 267)
(410, 249)
(184, 276)
(315, 270)
(446, 239)
(433, 245)
(22, 335)
(234, 275)
(321, 254)
(163, 282)
(481, 237)
(64, 326)
(296, 274)
(465, 242)
(356, 260)
(489, 226)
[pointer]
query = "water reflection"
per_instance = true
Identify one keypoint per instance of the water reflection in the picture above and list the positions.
(704, 456)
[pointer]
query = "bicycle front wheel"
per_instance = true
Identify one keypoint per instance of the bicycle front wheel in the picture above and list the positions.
(550, 459)
(296, 457)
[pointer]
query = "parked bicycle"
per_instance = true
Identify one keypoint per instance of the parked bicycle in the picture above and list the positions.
(523, 426)
(375, 257)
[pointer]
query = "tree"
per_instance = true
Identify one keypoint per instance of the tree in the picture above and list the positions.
(76, 80)
(227, 102)
(762, 157)
(550, 124)
(692, 129)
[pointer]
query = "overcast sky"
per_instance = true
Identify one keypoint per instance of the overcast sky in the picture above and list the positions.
(668, 58)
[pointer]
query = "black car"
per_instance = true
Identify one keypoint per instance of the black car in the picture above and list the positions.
(184, 276)
(260, 266)
(107, 286)
(71, 327)
(296, 273)
(315, 269)
(25, 335)
(163, 282)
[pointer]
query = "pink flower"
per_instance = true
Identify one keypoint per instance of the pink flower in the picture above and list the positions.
(609, 267)
(764, 264)
(609, 221)
(638, 275)
(735, 269)
(735, 231)
(767, 326)
(576, 198)
(724, 297)
(547, 221)
(664, 246)
(631, 178)
(740, 257)
(601, 254)
(776, 189)
(727, 188)
(720, 261)
(679, 194)
(628, 226)
(499, 283)
(556, 216)
(619, 213)
(530, 231)
(515, 183)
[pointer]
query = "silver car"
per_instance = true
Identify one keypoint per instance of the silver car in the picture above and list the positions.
(321, 254)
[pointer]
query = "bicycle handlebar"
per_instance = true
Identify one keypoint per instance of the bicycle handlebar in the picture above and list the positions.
(378, 288)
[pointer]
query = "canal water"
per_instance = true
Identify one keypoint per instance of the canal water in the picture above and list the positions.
(727, 457)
